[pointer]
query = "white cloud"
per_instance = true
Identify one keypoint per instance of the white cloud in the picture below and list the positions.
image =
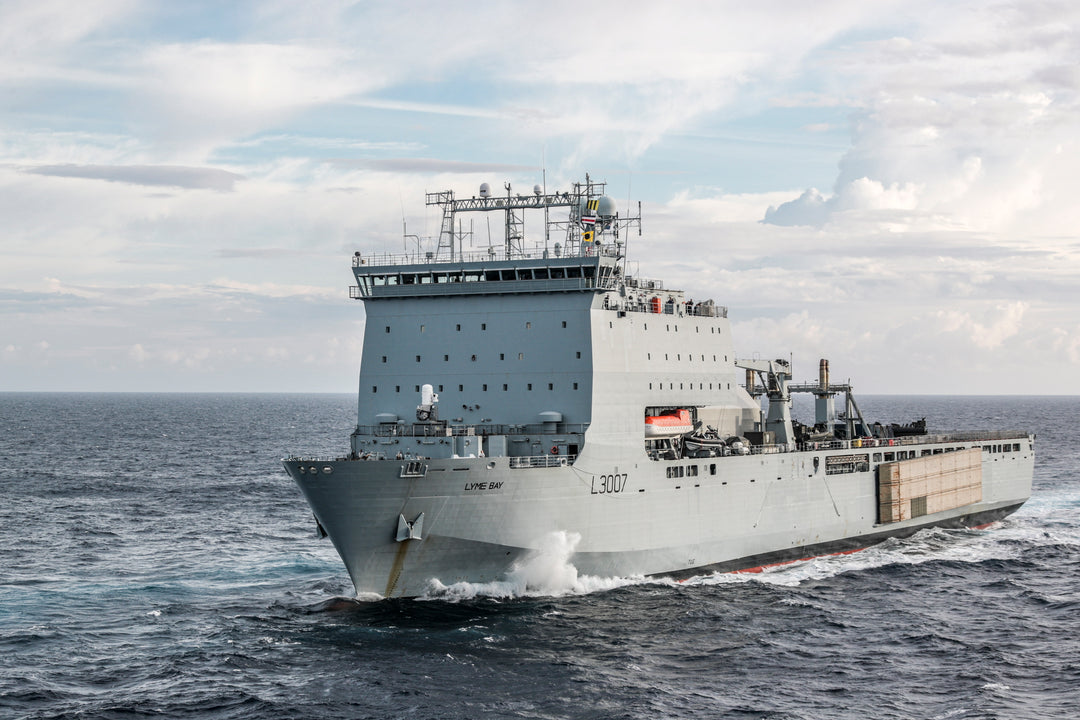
(38, 38)
(151, 175)
(1003, 323)
(946, 231)
(810, 208)
(960, 128)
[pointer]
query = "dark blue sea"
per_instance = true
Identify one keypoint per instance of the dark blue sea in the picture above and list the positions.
(156, 561)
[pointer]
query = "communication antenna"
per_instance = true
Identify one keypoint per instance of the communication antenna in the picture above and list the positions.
(547, 223)
(404, 228)
(629, 195)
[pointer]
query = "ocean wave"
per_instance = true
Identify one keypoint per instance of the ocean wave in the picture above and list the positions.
(547, 572)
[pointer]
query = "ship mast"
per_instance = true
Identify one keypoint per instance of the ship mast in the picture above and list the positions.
(591, 215)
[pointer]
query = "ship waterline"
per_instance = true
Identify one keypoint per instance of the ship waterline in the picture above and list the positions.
(524, 392)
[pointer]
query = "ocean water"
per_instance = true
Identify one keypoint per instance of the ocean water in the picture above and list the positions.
(155, 561)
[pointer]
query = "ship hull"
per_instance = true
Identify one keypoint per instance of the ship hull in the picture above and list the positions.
(476, 519)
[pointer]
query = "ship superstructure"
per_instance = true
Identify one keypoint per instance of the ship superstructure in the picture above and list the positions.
(537, 387)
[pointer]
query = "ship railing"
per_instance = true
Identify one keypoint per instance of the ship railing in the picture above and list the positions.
(976, 436)
(541, 461)
(537, 253)
(314, 458)
(639, 283)
(436, 430)
(677, 309)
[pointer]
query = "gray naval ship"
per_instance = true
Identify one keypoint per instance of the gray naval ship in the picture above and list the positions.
(539, 387)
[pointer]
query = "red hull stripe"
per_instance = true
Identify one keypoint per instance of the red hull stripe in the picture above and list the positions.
(763, 568)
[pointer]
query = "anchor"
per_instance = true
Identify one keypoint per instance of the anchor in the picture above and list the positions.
(409, 530)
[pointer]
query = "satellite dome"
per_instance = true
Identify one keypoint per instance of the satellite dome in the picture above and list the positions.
(605, 207)
(485, 190)
(537, 190)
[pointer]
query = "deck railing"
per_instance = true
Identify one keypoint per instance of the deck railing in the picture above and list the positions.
(430, 430)
(478, 256)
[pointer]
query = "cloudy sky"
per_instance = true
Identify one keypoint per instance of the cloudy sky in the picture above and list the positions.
(891, 185)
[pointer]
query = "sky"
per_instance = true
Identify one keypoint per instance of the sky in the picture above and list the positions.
(890, 185)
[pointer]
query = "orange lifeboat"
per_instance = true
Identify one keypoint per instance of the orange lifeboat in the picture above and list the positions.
(679, 423)
(657, 305)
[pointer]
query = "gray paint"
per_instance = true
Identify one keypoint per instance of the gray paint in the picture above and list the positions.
(560, 458)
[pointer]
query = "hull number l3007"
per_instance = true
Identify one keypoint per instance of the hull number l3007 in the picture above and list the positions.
(614, 483)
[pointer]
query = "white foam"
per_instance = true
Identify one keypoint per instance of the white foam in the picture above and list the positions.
(1002, 541)
(547, 571)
